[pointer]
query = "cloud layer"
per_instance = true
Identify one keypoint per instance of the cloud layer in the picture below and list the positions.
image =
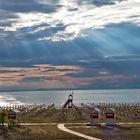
(49, 44)
(62, 20)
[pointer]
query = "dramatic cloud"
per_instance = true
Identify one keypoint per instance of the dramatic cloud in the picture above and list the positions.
(45, 76)
(75, 16)
(17, 76)
(20, 6)
(50, 44)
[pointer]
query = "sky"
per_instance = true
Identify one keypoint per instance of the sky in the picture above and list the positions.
(69, 44)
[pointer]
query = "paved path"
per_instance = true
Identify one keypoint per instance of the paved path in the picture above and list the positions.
(63, 128)
(34, 124)
(125, 123)
(129, 123)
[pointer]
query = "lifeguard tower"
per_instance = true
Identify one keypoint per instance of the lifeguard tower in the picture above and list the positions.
(69, 102)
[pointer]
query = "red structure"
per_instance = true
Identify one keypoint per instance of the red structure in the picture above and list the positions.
(95, 117)
(12, 116)
(110, 116)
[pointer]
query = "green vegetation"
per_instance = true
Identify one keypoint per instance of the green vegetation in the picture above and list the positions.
(2, 118)
(11, 123)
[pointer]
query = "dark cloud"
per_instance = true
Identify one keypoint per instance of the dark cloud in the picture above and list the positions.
(104, 2)
(99, 2)
(94, 53)
(73, 9)
(102, 51)
(9, 71)
(50, 2)
(105, 58)
(6, 15)
(30, 34)
(31, 79)
(47, 31)
(26, 6)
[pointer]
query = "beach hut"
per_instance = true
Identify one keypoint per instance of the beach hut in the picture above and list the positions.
(110, 116)
(15, 115)
(95, 117)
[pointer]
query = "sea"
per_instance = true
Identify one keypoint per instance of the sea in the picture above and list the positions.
(59, 97)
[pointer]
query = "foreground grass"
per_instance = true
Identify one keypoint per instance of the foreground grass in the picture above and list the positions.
(76, 114)
(40, 133)
(125, 132)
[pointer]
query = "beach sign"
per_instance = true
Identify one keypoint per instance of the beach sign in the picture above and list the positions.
(95, 117)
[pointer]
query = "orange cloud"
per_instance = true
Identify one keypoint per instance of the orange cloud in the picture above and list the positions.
(14, 75)
(50, 76)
